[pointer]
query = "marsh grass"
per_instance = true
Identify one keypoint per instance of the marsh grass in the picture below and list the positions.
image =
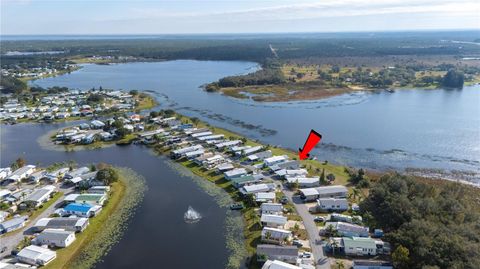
(107, 227)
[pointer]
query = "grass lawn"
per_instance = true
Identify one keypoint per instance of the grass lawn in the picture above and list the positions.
(46, 205)
(65, 256)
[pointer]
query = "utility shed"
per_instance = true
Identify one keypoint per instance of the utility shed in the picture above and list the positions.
(35, 255)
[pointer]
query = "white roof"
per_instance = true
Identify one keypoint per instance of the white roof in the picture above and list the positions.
(42, 222)
(234, 172)
(275, 233)
(256, 188)
(194, 153)
(331, 189)
(277, 219)
(71, 197)
(37, 253)
(264, 196)
(271, 207)
(303, 180)
(309, 191)
(76, 179)
(202, 134)
(276, 264)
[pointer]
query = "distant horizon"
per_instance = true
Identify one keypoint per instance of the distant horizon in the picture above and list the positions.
(254, 33)
(195, 17)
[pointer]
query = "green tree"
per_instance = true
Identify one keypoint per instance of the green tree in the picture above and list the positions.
(195, 120)
(401, 257)
(453, 79)
(107, 175)
(322, 177)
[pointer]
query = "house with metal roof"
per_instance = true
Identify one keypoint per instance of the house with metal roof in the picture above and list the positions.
(332, 204)
(81, 210)
(276, 264)
(238, 172)
(12, 224)
(335, 191)
(77, 172)
(68, 224)
(276, 236)
(347, 229)
(271, 208)
(35, 255)
(55, 238)
(251, 189)
(40, 196)
(288, 254)
(91, 199)
(274, 221)
(361, 246)
(239, 182)
(21, 173)
(260, 156)
(304, 182)
(265, 197)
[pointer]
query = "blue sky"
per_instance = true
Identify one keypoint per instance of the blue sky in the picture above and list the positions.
(233, 16)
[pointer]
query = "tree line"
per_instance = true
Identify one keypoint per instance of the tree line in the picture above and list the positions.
(430, 223)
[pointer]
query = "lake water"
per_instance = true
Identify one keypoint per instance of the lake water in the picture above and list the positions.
(157, 232)
(434, 129)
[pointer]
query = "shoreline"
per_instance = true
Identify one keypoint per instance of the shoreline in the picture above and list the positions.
(96, 241)
(264, 95)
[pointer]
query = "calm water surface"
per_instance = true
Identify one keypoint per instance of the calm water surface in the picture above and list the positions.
(406, 129)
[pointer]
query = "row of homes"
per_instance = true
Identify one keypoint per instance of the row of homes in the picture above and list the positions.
(72, 103)
(244, 166)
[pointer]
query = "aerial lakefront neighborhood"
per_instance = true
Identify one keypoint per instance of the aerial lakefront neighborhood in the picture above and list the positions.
(240, 134)
(297, 214)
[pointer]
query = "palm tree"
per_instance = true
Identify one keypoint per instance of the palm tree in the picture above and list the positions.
(355, 193)
(334, 246)
(340, 265)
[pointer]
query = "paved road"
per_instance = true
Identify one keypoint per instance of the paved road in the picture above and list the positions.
(315, 241)
(11, 240)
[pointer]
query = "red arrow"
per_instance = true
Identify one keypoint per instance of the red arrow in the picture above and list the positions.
(312, 140)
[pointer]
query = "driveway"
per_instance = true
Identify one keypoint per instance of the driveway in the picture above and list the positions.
(11, 240)
(315, 240)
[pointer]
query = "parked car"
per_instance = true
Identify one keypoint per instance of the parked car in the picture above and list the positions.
(319, 219)
(284, 200)
(306, 254)
(297, 243)
(236, 207)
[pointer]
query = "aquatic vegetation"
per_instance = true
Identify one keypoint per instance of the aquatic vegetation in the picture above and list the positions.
(114, 228)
